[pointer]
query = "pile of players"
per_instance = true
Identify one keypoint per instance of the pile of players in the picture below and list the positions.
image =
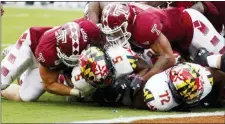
(148, 55)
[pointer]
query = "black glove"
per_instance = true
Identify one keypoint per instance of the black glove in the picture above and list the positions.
(201, 57)
(111, 95)
(135, 82)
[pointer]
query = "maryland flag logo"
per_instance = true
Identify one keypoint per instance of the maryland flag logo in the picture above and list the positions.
(187, 82)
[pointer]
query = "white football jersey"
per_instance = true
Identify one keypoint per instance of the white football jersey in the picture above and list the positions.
(158, 95)
(80, 83)
(123, 60)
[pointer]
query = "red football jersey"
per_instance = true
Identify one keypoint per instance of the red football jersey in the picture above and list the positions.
(175, 24)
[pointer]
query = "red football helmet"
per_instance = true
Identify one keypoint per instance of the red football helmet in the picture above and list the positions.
(67, 43)
(116, 23)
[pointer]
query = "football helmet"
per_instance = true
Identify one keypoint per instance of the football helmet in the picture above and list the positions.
(95, 67)
(67, 43)
(116, 21)
(186, 83)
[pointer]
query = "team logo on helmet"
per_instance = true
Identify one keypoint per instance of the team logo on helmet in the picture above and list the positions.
(187, 82)
(94, 68)
(67, 43)
(115, 23)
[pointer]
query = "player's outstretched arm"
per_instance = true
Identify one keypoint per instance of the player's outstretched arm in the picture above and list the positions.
(166, 58)
(199, 7)
(51, 85)
(93, 12)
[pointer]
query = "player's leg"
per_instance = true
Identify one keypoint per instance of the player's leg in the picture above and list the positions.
(205, 35)
(11, 92)
(16, 61)
(32, 87)
(217, 61)
(6, 50)
(29, 89)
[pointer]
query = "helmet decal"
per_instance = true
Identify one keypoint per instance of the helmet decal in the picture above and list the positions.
(67, 43)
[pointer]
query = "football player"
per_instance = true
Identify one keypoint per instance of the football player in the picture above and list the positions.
(56, 49)
(148, 27)
(107, 70)
(184, 84)
(93, 10)
(104, 70)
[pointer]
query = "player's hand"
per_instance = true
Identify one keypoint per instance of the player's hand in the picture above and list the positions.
(111, 95)
(201, 57)
(136, 82)
(119, 86)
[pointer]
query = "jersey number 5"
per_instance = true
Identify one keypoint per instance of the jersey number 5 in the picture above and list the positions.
(117, 59)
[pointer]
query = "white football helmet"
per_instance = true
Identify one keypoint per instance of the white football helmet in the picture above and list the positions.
(94, 67)
(100, 68)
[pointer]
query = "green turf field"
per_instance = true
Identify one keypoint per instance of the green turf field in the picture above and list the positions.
(51, 108)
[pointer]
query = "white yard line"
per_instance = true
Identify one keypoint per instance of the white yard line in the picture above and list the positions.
(6, 44)
(129, 119)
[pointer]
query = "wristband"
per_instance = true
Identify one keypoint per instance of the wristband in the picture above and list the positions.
(75, 92)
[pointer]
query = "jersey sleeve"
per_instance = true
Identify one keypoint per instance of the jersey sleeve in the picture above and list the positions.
(147, 29)
(46, 50)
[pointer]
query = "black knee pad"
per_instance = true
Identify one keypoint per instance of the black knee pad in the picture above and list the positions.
(222, 63)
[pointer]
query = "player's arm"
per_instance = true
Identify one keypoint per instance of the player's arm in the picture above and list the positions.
(93, 12)
(51, 84)
(141, 65)
(166, 58)
(199, 7)
(205, 7)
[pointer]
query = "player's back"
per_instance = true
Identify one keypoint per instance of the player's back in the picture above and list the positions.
(174, 23)
(170, 19)
(35, 35)
(46, 50)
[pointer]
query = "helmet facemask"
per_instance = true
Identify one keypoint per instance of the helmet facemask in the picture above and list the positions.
(70, 61)
(117, 36)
